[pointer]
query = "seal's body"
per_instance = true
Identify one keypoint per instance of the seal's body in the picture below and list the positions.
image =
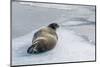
(45, 39)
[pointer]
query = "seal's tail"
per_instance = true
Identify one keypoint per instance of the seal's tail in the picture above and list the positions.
(32, 48)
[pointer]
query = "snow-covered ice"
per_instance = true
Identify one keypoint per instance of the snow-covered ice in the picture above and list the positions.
(70, 48)
(76, 33)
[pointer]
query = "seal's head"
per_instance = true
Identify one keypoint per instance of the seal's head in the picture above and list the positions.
(53, 26)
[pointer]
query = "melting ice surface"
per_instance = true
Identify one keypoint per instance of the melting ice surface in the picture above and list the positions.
(70, 48)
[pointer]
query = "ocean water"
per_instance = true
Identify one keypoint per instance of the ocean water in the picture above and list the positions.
(76, 33)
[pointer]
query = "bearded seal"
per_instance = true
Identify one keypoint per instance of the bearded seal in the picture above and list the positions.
(44, 39)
